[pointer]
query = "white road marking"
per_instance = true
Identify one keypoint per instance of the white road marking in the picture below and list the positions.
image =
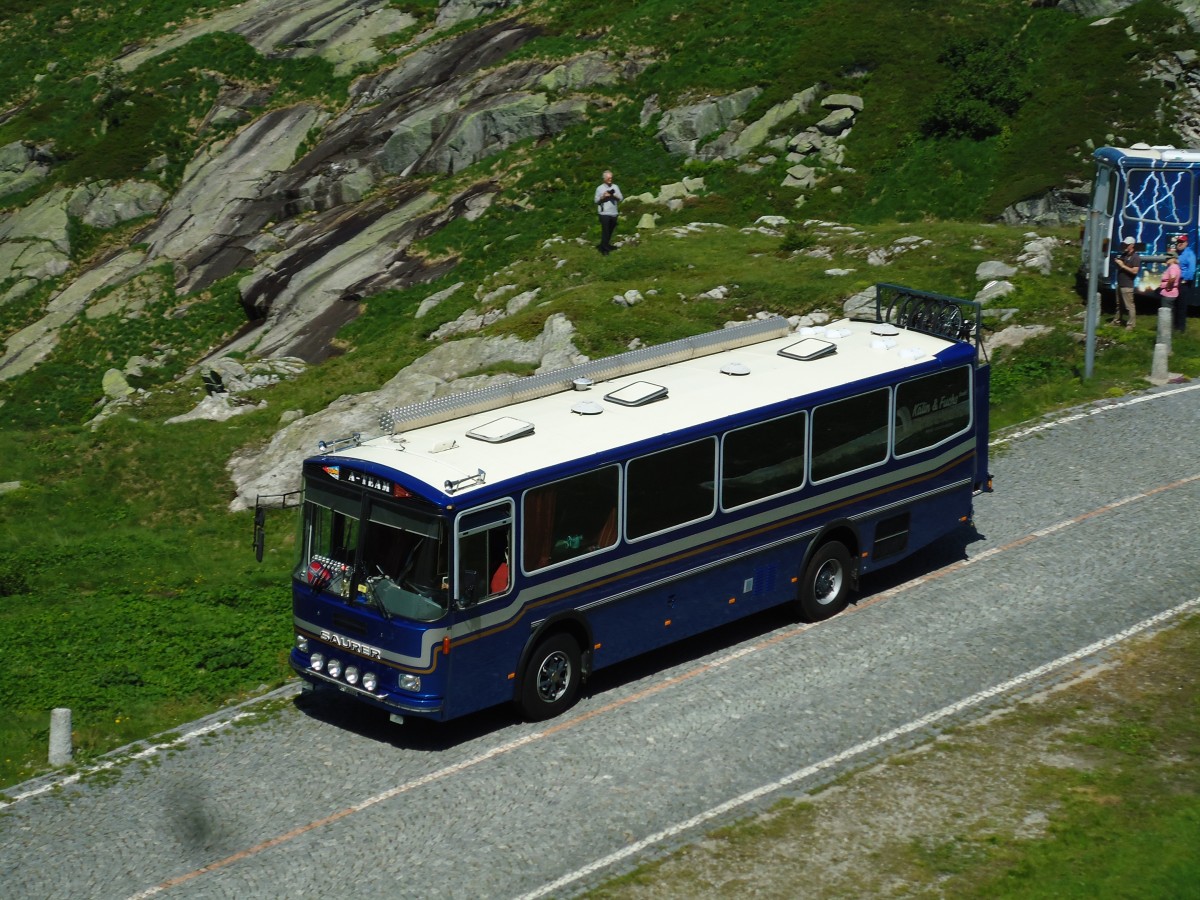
(1093, 411)
(849, 754)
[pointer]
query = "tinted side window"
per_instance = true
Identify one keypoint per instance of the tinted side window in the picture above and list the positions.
(849, 435)
(762, 460)
(570, 518)
(670, 488)
(931, 409)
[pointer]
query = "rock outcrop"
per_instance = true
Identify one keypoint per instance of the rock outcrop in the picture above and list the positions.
(315, 224)
(345, 32)
(22, 166)
(681, 129)
(451, 12)
(1061, 206)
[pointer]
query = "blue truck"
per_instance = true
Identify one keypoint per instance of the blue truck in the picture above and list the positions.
(1151, 194)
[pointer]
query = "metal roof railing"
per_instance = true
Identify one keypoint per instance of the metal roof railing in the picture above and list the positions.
(497, 396)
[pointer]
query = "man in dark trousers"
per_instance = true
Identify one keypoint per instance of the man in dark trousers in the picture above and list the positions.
(1187, 281)
(1128, 264)
(608, 195)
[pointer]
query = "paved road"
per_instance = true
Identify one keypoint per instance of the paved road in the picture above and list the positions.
(1091, 531)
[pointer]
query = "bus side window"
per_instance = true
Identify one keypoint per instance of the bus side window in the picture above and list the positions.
(484, 551)
(570, 517)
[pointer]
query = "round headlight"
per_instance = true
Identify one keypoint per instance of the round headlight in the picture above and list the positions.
(370, 681)
(334, 668)
(351, 675)
(317, 661)
(302, 643)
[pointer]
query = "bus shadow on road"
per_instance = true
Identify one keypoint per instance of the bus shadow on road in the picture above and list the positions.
(331, 707)
(945, 551)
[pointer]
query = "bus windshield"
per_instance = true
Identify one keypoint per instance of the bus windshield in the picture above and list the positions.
(376, 553)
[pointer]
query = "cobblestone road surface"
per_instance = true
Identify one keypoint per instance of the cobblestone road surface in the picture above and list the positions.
(1091, 530)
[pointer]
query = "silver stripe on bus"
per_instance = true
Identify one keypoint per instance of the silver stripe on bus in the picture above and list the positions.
(695, 571)
(958, 485)
(758, 549)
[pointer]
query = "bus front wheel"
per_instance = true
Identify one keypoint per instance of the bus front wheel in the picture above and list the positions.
(825, 587)
(552, 677)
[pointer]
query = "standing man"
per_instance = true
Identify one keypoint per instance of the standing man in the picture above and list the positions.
(1187, 282)
(608, 195)
(1128, 264)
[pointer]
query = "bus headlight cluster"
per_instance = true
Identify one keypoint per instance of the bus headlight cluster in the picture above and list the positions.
(302, 643)
(351, 674)
(410, 682)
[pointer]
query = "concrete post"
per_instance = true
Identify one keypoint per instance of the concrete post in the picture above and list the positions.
(1164, 327)
(60, 737)
(1158, 364)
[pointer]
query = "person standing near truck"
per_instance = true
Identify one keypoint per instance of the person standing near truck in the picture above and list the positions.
(1187, 281)
(1169, 288)
(1128, 264)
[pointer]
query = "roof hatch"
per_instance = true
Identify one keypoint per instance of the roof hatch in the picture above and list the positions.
(637, 394)
(500, 430)
(809, 348)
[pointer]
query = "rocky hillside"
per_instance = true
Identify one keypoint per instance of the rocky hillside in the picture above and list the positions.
(303, 207)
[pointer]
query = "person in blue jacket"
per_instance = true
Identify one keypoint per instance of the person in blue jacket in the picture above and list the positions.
(1187, 282)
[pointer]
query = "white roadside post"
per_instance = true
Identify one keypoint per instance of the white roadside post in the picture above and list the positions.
(1159, 371)
(60, 737)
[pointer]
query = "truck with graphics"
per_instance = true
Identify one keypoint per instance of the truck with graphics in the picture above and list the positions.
(1151, 194)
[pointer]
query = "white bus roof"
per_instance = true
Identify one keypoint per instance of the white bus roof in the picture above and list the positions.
(572, 424)
(1165, 153)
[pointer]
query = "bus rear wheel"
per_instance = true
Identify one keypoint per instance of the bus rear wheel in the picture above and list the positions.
(825, 586)
(551, 681)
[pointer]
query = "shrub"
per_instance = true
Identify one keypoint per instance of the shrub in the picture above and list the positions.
(985, 89)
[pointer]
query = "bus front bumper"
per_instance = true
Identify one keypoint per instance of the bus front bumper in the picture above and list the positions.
(429, 707)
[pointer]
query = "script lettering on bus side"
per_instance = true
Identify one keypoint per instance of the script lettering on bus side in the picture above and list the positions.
(354, 646)
(924, 407)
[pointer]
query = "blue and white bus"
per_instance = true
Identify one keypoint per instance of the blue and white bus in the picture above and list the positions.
(500, 545)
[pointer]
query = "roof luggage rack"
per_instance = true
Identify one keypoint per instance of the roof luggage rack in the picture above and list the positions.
(443, 409)
(928, 313)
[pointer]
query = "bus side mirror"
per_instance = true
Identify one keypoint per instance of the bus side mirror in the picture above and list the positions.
(470, 584)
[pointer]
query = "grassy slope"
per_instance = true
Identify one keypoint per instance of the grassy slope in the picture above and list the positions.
(118, 552)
